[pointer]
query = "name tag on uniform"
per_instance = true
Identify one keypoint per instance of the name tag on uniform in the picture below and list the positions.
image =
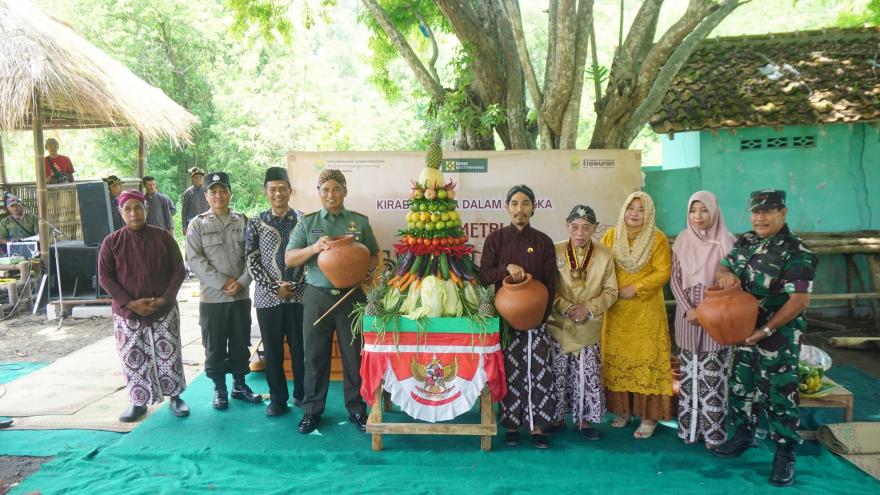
(317, 231)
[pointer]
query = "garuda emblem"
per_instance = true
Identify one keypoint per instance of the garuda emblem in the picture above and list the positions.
(434, 375)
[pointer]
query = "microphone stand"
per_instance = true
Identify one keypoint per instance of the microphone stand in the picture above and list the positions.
(56, 236)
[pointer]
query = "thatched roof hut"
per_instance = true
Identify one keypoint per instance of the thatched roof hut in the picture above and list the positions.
(79, 86)
(51, 77)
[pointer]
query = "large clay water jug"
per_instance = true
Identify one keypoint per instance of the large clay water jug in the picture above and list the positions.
(523, 304)
(728, 315)
(346, 263)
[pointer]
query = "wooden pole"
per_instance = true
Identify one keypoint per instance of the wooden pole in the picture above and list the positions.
(850, 274)
(40, 169)
(874, 263)
(142, 155)
(2, 164)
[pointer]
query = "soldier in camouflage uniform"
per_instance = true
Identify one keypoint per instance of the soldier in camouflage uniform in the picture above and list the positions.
(772, 264)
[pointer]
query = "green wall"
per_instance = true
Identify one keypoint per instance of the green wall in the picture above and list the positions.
(833, 186)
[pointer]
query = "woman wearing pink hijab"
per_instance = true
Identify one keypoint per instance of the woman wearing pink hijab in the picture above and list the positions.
(702, 399)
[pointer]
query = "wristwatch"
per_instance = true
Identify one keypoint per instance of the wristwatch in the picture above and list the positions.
(767, 331)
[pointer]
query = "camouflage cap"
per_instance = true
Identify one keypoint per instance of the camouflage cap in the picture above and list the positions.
(767, 199)
(331, 174)
(196, 171)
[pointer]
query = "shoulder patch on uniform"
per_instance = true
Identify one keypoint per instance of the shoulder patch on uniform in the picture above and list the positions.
(310, 214)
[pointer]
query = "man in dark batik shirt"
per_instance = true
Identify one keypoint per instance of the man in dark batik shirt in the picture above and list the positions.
(772, 264)
(278, 292)
(516, 250)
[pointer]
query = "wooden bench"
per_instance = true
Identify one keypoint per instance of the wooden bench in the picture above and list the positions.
(839, 397)
(485, 429)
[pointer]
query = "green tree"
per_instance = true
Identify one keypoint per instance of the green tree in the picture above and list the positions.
(497, 75)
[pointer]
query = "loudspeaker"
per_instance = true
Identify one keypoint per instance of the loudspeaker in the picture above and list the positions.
(94, 211)
(79, 270)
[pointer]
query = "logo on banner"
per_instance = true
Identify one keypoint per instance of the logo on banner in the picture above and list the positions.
(588, 163)
(465, 165)
(435, 377)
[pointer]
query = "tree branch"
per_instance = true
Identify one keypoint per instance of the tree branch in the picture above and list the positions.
(639, 39)
(557, 87)
(524, 59)
(674, 64)
(696, 11)
(431, 85)
(568, 136)
(597, 83)
(435, 52)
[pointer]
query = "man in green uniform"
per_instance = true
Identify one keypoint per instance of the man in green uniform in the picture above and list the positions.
(772, 264)
(19, 224)
(311, 236)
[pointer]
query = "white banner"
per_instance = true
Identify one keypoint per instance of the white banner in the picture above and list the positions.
(379, 186)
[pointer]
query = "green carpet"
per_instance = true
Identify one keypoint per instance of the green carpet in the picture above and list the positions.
(12, 371)
(46, 442)
(241, 450)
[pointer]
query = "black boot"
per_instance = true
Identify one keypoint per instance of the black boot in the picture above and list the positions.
(742, 440)
(783, 465)
(133, 413)
(240, 391)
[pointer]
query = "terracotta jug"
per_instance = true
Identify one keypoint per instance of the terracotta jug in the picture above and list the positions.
(346, 263)
(522, 305)
(729, 315)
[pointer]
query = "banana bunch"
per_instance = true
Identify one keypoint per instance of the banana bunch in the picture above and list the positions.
(809, 378)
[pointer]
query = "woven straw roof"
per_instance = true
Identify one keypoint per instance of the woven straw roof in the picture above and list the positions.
(79, 85)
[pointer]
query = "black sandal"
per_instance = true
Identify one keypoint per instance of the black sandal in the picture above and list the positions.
(540, 441)
(511, 438)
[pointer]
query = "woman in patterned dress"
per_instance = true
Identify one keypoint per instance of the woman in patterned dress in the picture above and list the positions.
(702, 399)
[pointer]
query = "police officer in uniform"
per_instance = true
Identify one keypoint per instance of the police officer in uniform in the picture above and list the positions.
(215, 253)
(309, 238)
(775, 266)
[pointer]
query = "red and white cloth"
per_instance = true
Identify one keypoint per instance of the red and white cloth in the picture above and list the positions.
(433, 376)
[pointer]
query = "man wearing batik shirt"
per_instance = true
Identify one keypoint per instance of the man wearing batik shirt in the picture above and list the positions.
(140, 266)
(516, 250)
(586, 287)
(775, 266)
(278, 292)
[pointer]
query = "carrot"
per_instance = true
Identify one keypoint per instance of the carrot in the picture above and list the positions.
(454, 278)
(406, 284)
(417, 284)
(395, 279)
(402, 280)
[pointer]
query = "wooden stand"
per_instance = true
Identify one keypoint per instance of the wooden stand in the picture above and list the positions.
(839, 397)
(486, 429)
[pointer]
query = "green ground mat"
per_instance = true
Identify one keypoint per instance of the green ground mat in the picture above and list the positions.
(240, 450)
(46, 442)
(12, 371)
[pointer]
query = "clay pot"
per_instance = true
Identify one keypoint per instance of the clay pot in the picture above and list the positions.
(728, 315)
(346, 263)
(523, 304)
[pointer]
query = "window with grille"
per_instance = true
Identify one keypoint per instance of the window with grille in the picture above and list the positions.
(751, 144)
(777, 142)
(803, 141)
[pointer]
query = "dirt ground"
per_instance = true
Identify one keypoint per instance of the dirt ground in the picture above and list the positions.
(32, 338)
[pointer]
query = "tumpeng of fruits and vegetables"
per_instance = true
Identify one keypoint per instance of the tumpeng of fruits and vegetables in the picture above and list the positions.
(434, 275)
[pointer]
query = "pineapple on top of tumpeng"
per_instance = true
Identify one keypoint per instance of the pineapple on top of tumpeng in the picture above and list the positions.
(434, 275)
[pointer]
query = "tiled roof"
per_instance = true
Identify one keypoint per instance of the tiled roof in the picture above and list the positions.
(828, 76)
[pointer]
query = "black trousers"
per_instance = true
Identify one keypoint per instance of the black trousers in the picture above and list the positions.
(226, 335)
(318, 348)
(276, 323)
